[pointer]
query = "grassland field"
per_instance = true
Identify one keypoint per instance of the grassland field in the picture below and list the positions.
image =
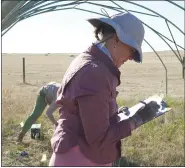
(157, 143)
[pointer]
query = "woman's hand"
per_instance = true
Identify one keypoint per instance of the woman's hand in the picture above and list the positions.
(146, 114)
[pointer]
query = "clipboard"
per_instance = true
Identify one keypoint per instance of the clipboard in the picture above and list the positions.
(134, 109)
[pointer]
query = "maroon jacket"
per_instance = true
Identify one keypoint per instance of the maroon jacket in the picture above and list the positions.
(89, 109)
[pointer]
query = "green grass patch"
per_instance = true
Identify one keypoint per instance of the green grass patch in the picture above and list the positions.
(157, 143)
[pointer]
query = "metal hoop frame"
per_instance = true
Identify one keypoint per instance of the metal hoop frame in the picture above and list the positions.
(16, 11)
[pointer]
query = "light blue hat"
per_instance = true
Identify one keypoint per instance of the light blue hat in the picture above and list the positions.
(129, 30)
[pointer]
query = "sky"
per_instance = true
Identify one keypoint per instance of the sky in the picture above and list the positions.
(68, 31)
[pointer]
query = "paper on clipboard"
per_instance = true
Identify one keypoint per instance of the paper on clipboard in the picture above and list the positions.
(132, 110)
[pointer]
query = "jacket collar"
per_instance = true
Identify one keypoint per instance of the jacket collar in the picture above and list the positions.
(102, 57)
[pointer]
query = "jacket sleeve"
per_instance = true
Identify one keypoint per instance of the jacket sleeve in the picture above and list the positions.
(94, 109)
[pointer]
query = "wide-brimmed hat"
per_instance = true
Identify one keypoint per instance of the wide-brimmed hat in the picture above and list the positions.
(129, 30)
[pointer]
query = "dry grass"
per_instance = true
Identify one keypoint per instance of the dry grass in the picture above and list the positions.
(155, 144)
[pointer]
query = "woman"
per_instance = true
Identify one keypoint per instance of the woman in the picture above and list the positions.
(89, 130)
(47, 96)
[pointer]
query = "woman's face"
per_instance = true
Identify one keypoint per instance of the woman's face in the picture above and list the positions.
(120, 52)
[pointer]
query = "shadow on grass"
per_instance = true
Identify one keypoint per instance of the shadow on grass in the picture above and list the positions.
(123, 162)
(30, 84)
(27, 84)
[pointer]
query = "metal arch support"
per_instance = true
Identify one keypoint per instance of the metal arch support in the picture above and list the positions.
(53, 8)
(154, 29)
(119, 10)
(166, 71)
(175, 4)
(15, 11)
(166, 78)
(155, 13)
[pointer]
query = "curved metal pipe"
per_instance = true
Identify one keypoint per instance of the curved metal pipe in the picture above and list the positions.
(153, 30)
(153, 12)
(166, 71)
(8, 21)
(49, 9)
(113, 8)
(27, 7)
(6, 30)
(118, 9)
(9, 6)
(173, 40)
(175, 4)
(24, 9)
(39, 8)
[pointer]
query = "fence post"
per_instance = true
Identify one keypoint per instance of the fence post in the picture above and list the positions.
(183, 68)
(183, 74)
(23, 69)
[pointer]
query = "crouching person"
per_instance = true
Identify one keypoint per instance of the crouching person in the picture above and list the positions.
(47, 96)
